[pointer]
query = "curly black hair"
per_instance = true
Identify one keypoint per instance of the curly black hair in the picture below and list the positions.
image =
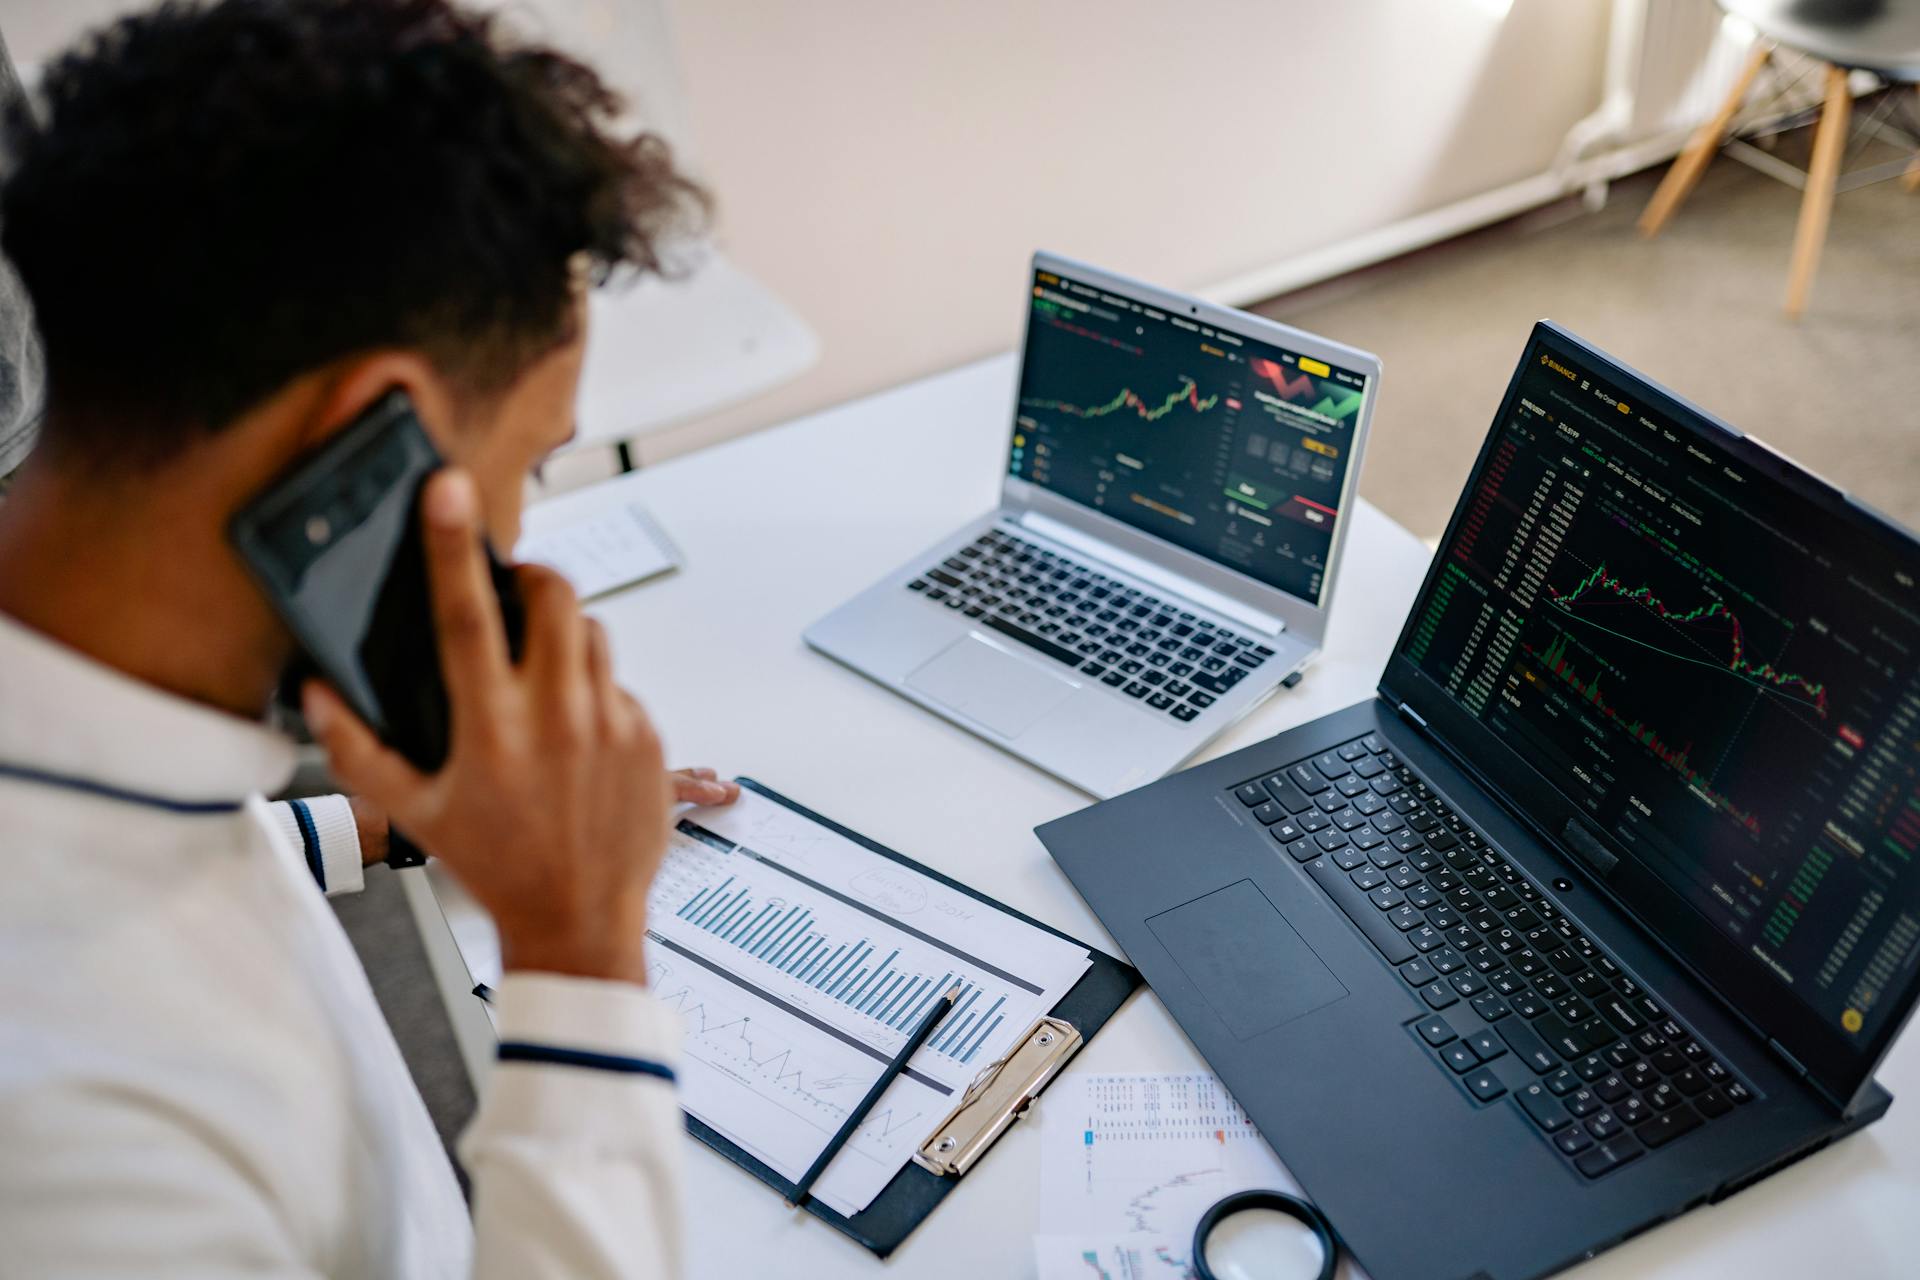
(208, 199)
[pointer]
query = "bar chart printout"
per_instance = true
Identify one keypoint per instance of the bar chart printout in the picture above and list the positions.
(799, 962)
(1129, 1163)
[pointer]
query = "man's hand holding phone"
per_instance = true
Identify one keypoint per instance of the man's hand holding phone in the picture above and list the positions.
(554, 803)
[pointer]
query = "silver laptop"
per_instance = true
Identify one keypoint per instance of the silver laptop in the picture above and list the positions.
(1177, 490)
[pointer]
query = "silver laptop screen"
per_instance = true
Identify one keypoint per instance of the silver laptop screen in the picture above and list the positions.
(1226, 446)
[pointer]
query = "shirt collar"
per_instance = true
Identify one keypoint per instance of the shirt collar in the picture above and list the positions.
(63, 713)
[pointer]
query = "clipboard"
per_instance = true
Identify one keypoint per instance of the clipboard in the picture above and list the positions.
(997, 1097)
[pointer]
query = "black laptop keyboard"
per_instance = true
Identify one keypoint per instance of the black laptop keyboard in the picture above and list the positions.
(1169, 661)
(1520, 1000)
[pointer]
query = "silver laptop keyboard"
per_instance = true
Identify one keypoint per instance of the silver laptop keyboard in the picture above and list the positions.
(1166, 659)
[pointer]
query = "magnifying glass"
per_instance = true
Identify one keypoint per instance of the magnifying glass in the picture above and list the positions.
(1264, 1235)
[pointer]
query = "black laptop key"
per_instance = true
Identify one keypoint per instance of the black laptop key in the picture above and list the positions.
(1527, 1046)
(944, 578)
(1486, 1045)
(1306, 778)
(1334, 883)
(1303, 850)
(1713, 1104)
(1560, 1037)
(1664, 1128)
(1543, 1108)
(1434, 1030)
(1439, 995)
(1212, 683)
(1287, 795)
(1059, 653)
(1485, 1084)
(1603, 1125)
(1330, 764)
(1574, 1140)
(1490, 1006)
(1607, 1157)
(1459, 1057)
(1418, 974)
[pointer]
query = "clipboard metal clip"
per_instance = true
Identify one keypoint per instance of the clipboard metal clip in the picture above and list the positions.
(997, 1097)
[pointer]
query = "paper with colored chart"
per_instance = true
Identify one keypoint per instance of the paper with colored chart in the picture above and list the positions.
(800, 961)
(1129, 1164)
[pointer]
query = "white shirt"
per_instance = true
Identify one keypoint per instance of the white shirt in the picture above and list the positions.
(194, 1077)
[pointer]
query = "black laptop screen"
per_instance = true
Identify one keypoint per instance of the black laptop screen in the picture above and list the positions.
(1721, 670)
(1216, 442)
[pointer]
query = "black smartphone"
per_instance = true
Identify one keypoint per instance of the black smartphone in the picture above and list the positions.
(336, 542)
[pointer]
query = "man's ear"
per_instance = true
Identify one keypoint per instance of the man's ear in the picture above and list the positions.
(355, 383)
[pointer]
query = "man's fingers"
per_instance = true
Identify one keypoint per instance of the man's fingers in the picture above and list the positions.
(556, 653)
(701, 786)
(606, 691)
(466, 616)
(359, 760)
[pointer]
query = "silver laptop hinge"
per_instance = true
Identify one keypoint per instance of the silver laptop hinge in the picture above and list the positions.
(1166, 579)
(1413, 715)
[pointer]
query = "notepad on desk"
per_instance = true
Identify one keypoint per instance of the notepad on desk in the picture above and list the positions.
(601, 548)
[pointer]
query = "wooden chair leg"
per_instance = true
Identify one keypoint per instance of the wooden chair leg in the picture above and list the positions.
(1817, 205)
(1700, 149)
(1912, 179)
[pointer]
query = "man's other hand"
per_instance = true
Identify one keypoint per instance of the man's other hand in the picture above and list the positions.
(553, 804)
(703, 787)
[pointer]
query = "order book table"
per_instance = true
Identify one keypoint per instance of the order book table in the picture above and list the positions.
(778, 528)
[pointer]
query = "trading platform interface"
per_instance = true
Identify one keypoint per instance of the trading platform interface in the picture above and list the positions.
(1724, 673)
(1229, 447)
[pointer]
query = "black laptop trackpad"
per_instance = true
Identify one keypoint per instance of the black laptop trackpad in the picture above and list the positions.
(1246, 960)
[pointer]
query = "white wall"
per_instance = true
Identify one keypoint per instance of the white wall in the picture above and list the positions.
(886, 166)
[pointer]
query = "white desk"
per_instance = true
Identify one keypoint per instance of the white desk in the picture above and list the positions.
(778, 528)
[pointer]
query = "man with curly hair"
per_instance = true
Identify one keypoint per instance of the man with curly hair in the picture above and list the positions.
(240, 223)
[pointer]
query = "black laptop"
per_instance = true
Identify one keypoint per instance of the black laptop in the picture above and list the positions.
(1607, 905)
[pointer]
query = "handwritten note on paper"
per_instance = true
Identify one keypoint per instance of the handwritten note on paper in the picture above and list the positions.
(612, 548)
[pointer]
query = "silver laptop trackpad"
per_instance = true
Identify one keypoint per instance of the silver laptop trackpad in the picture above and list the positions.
(986, 684)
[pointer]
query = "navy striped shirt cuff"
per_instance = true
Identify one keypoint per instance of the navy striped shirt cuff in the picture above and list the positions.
(310, 839)
(522, 1051)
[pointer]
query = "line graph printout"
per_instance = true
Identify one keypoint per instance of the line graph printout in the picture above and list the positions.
(799, 962)
(1128, 1165)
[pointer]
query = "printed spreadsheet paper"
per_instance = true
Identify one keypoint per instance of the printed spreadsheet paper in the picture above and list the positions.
(799, 961)
(1130, 1162)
